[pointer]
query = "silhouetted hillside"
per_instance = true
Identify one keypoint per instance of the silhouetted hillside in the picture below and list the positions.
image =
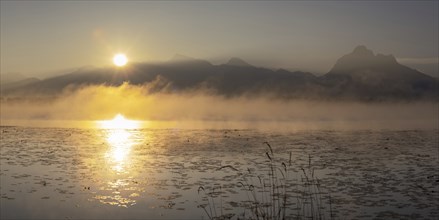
(11, 77)
(360, 75)
(19, 83)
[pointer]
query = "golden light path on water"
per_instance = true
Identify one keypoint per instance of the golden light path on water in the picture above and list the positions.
(121, 145)
(119, 135)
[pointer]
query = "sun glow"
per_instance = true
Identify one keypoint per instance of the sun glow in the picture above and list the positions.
(119, 122)
(120, 59)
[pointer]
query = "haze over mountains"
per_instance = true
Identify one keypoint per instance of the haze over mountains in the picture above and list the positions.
(359, 75)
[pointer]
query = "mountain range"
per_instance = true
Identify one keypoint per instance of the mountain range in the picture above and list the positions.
(359, 75)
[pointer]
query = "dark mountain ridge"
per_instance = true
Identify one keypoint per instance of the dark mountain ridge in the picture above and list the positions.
(360, 75)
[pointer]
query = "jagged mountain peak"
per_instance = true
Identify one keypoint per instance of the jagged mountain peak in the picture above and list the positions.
(362, 58)
(362, 51)
(235, 61)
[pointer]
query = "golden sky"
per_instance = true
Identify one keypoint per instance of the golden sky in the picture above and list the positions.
(44, 36)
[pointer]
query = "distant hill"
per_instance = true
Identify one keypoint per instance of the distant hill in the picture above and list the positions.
(11, 77)
(19, 83)
(360, 75)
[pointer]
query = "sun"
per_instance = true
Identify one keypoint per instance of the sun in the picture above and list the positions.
(120, 59)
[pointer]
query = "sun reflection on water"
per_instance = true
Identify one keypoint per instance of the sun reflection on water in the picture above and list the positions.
(121, 142)
(120, 136)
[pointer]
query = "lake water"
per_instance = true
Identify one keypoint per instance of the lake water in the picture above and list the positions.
(170, 173)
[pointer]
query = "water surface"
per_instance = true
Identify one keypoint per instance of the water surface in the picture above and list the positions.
(76, 173)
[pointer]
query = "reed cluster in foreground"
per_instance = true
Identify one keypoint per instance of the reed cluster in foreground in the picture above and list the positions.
(271, 193)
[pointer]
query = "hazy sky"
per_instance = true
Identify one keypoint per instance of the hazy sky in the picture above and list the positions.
(45, 36)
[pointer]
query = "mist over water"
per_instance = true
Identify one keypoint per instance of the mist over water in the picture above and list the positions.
(197, 108)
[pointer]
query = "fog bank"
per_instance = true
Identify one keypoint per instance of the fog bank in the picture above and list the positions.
(135, 102)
